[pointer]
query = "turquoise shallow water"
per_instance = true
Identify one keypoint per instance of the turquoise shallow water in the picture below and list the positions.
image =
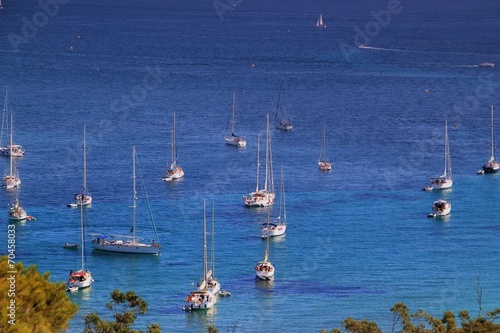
(358, 238)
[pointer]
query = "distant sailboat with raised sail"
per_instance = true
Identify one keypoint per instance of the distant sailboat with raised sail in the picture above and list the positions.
(174, 171)
(444, 181)
(128, 244)
(319, 22)
(280, 120)
(83, 198)
(233, 139)
(492, 166)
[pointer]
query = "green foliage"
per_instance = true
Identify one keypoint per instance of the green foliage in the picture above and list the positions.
(422, 322)
(212, 329)
(126, 307)
(40, 305)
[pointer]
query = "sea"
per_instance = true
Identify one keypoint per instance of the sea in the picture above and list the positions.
(382, 78)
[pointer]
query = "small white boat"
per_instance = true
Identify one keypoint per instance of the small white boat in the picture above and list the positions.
(224, 293)
(82, 278)
(264, 270)
(70, 246)
(265, 196)
(440, 208)
(233, 139)
(278, 227)
(280, 120)
(83, 198)
(174, 171)
(128, 244)
(319, 22)
(323, 163)
(444, 181)
(16, 212)
(492, 166)
(202, 298)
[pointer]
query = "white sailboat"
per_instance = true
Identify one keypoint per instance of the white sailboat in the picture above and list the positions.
(233, 139)
(81, 278)
(202, 298)
(128, 244)
(12, 149)
(174, 171)
(16, 212)
(323, 163)
(265, 269)
(492, 166)
(83, 198)
(12, 179)
(444, 181)
(440, 208)
(212, 282)
(278, 227)
(280, 120)
(265, 196)
(319, 22)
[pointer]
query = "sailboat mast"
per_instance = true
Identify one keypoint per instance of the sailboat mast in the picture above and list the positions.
(492, 136)
(212, 251)
(445, 147)
(84, 160)
(10, 147)
(258, 163)
(205, 269)
(82, 233)
(266, 255)
(233, 107)
(279, 102)
(267, 153)
(271, 171)
(5, 115)
(134, 195)
(174, 157)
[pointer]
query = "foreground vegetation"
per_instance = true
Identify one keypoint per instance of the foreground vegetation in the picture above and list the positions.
(422, 322)
(29, 302)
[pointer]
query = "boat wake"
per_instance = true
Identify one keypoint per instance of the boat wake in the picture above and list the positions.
(362, 46)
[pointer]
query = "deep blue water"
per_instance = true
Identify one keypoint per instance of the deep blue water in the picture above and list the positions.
(358, 239)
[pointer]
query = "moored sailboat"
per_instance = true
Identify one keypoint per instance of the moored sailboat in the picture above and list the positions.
(12, 149)
(323, 163)
(492, 166)
(174, 171)
(265, 196)
(81, 278)
(128, 244)
(233, 139)
(444, 181)
(83, 198)
(278, 227)
(264, 269)
(212, 282)
(202, 298)
(12, 179)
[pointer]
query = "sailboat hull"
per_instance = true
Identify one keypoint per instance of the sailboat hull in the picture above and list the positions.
(259, 199)
(124, 247)
(491, 168)
(442, 183)
(235, 141)
(79, 280)
(275, 230)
